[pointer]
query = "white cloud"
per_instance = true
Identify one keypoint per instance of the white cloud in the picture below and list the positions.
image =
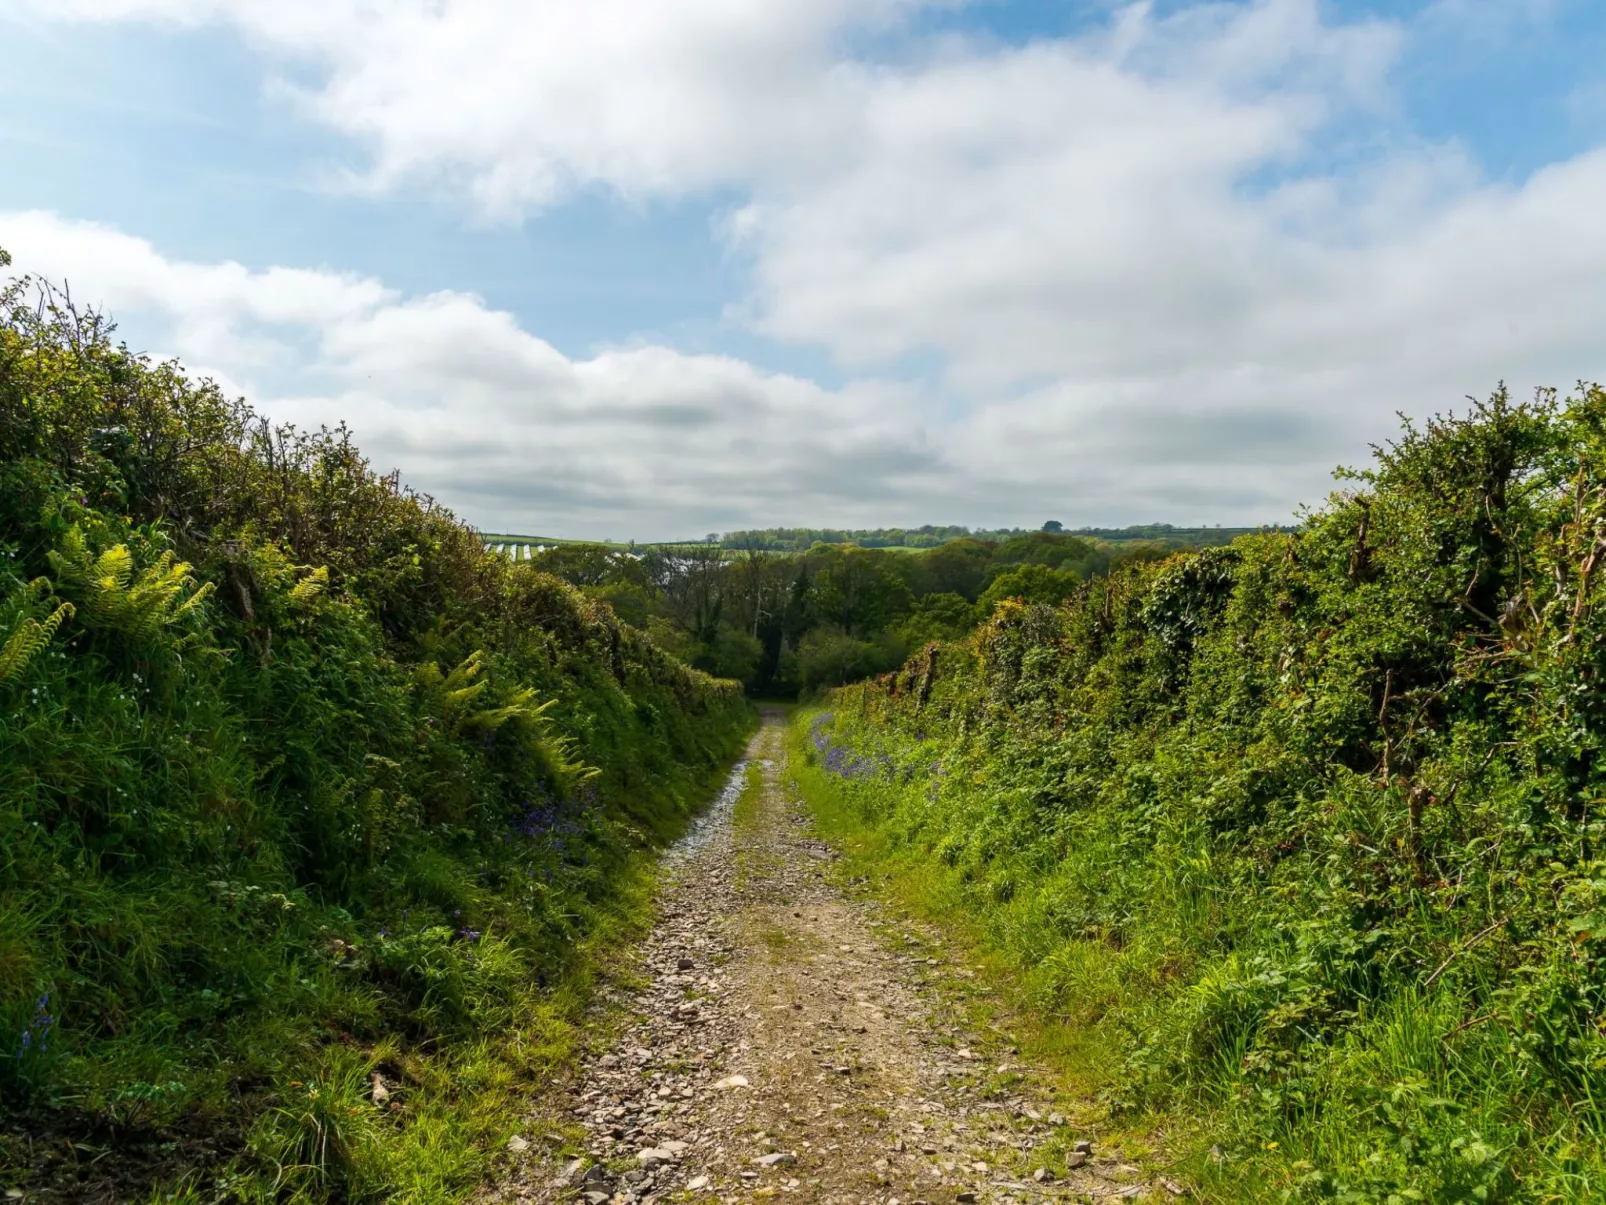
(522, 101)
(497, 422)
(1170, 267)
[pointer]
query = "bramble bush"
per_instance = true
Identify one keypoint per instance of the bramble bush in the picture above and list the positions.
(1306, 829)
(297, 785)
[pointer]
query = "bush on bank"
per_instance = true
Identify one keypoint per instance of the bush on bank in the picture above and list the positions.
(298, 786)
(1307, 827)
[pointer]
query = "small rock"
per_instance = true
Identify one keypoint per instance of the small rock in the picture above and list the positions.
(1083, 1148)
(597, 1197)
(1172, 1187)
(15, 1194)
(696, 1183)
(518, 1144)
(674, 1146)
(979, 1168)
(1056, 1119)
(653, 1156)
(776, 1159)
(1043, 1176)
(378, 1093)
(1076, 1159)
(685, 964)
(731, 1081)
(595, 1174)
(965, 1198)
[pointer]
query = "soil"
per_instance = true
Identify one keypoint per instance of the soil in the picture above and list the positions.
(786, 1036)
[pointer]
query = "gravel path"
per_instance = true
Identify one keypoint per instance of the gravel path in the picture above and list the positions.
(788, 1038)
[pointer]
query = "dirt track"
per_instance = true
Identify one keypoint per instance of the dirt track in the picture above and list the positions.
(788, 1038)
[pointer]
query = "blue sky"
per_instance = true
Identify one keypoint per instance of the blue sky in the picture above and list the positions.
(1247, 176)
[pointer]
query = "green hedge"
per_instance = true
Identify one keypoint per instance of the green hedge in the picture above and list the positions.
(1306, 829)
(298, 785)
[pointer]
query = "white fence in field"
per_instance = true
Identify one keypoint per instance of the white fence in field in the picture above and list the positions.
(518, 551)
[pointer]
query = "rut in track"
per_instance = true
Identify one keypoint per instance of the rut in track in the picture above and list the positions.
(789, 1039)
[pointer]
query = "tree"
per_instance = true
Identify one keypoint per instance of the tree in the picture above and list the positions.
(691, 581)
(958, 567)
(857, 590)
(1030, 583)
(590, 565)
(1054, 527)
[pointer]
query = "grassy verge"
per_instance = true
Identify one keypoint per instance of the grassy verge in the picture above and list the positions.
(1076, 1056)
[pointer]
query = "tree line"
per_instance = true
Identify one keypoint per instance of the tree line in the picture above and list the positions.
(787, 623)
(801, 539)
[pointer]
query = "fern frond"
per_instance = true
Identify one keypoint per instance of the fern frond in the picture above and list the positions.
(562, 757)
(519, 707)
(458, 699)
(310, 588)
(466, 672)
(195, 600)
(112, 597)
(114, 567)
(31, 636)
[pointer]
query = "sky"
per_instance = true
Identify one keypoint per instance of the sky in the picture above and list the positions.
(627, 269)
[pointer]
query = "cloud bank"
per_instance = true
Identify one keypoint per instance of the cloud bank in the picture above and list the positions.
(1168, 267)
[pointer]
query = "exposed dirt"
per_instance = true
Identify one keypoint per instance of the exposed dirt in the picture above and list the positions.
(788, 1038)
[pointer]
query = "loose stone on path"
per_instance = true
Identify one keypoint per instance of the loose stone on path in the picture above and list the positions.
(785, 1042)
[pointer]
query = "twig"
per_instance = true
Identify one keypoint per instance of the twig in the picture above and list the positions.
(1468, 1025)
(1463, 948)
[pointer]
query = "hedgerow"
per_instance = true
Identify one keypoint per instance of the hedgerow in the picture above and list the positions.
(299, 787)
(1307, 829)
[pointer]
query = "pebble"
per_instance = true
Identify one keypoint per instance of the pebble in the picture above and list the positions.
(759, 969)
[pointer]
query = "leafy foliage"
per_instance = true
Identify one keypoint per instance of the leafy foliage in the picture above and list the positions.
(792, 623)
(1306, 829)
(111, 598)
(30, 636)
(800, 539)
(298, 785)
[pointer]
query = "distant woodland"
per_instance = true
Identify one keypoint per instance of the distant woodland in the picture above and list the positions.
(847, 604)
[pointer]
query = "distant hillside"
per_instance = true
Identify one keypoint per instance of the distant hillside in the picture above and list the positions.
(800, 539)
